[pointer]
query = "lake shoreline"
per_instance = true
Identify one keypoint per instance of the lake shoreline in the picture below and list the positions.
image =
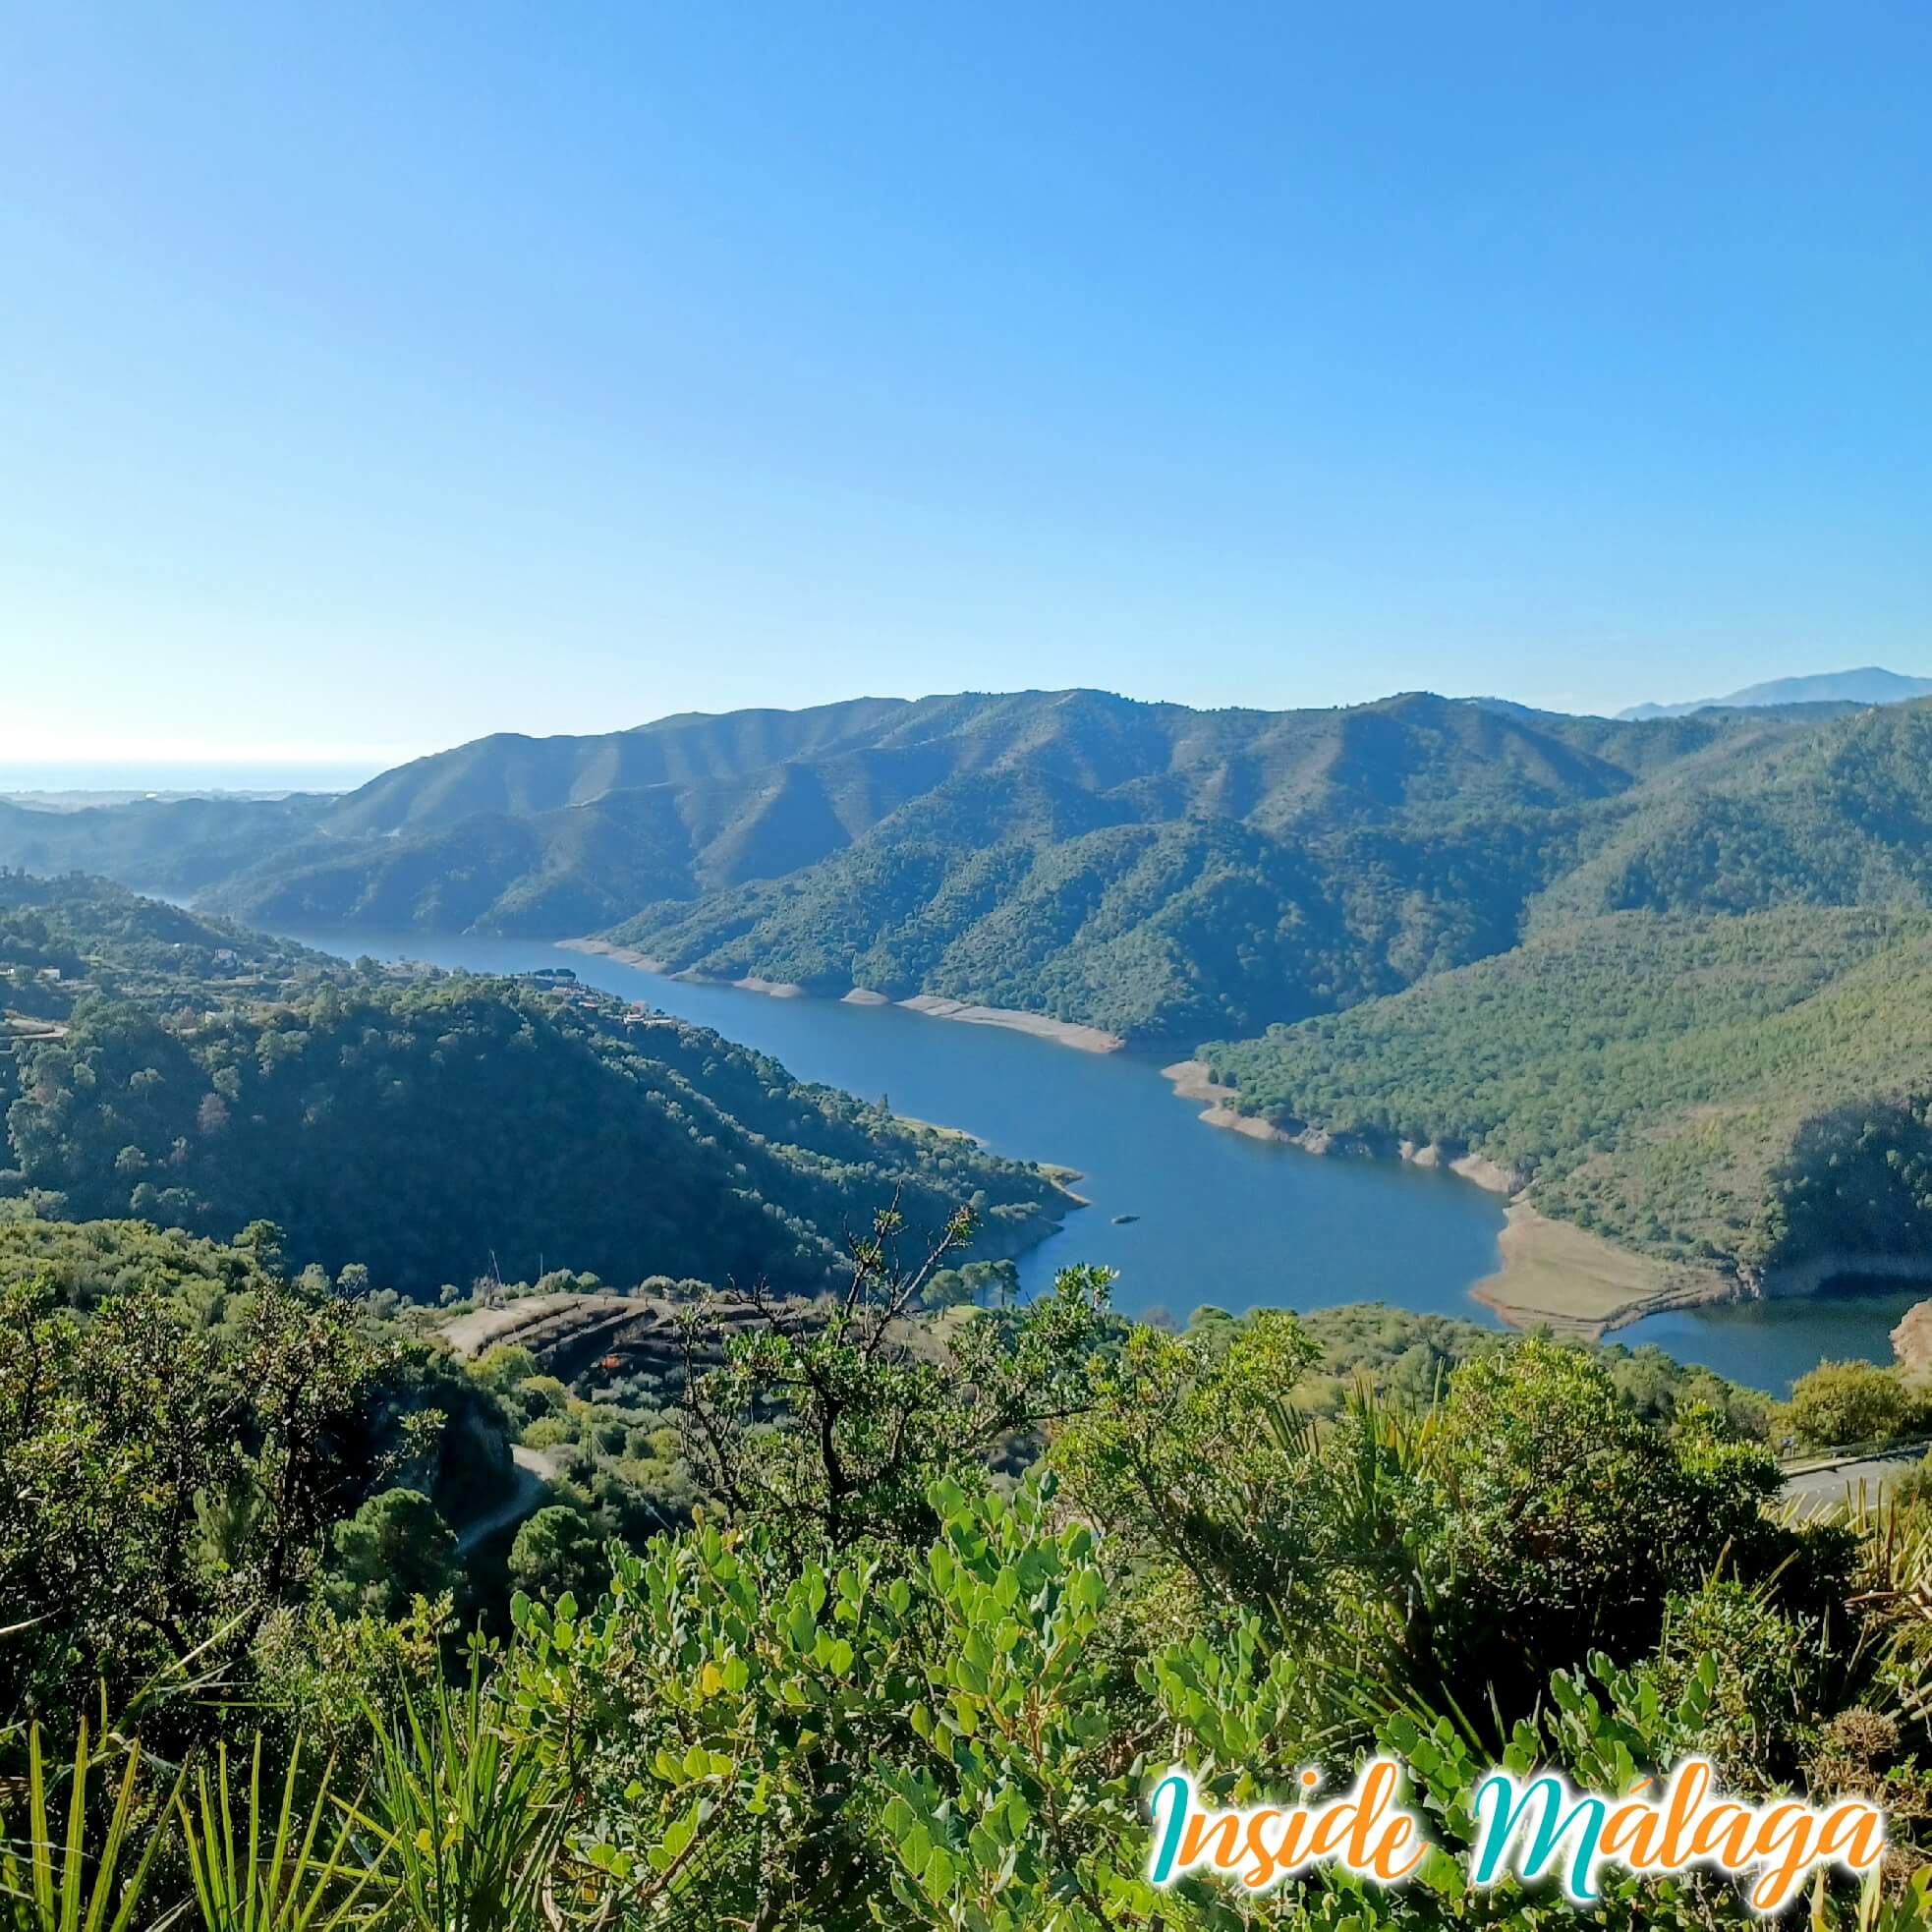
(1559, 1276)
(1062, 1033)
(1189, 1080)
(1555, 1273)
(623, 955)
(1058, 1172)
(1219, 1212)
(937, 1007)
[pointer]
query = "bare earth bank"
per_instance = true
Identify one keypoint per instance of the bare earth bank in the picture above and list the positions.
(1553, 1274)
(630, 956)
(1065, 1033)
(1557, 1274)
(624, 955)
(1911, 1342)
(1190, 1081)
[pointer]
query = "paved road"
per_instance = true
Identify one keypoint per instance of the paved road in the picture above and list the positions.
(533, 1474)
(1820, 1490)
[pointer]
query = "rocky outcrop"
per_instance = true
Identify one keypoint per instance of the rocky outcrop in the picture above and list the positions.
(1911, 1345)
(1795, 1279)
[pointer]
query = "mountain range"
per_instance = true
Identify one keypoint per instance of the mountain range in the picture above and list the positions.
(1869, 686)
(1631, 961)
(1162, 872)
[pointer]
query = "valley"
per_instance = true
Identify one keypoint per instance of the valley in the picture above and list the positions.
(1233, 1220)
(1660, 981)
(795, 1133)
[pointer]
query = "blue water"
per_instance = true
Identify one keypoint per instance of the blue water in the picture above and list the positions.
(1768, 1344)
(1222, 1219)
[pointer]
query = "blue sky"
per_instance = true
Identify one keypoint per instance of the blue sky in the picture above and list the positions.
(375, 377)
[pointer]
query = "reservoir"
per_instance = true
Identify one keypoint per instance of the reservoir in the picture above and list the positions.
(1768, 1344)
(1214, 1217)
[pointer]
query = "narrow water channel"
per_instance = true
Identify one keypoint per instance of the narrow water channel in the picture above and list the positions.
(1215, 1217)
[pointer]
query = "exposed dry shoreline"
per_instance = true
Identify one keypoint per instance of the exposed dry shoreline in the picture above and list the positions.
(624, 955)
(1911, 1344)
(1558, 1275)
(1190, 1081)
(630, 956)
(1063, 1032)
(1555, 1273)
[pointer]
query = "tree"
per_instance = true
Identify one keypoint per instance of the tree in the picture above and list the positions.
(111, 1432)
(172, 1451)
(557, 1551)
(867, 1420)
(394, 1549)
(1850, 1402)
(309, 1377)
(1191, 1449)
(1571, 1518)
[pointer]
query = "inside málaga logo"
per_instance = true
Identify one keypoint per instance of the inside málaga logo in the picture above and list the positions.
(1535, 1827)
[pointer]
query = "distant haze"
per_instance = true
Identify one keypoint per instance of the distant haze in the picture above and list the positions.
(200, 775)
(1869, 686)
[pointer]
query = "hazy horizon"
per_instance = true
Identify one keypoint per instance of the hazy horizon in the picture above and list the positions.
(371, 386)
(202, 770)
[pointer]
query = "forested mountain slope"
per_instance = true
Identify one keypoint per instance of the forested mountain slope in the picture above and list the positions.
(1158, 870)
(1394, 842)
(1715, 1043)
(511, 773)
(440, 1127)
(1748, 1091)
(177, 845)
(1833, 817)
(62, 937)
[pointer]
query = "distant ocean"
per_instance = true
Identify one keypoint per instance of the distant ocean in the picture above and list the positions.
(19, 775)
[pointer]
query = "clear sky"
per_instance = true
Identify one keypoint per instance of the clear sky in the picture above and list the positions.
(372, 376)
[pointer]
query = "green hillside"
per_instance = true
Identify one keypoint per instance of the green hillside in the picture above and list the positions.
(180, 845)
(1747, 1091)
(62, 938)
(1836, 816)
(437, 1127)
(1278, 868)
(956, 1593)
(682, 830)
(1165, 873)
(1184, 928)
(559, 872)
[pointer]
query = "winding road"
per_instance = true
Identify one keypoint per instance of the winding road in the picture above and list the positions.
(1815, 1492)
(534, 1473)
